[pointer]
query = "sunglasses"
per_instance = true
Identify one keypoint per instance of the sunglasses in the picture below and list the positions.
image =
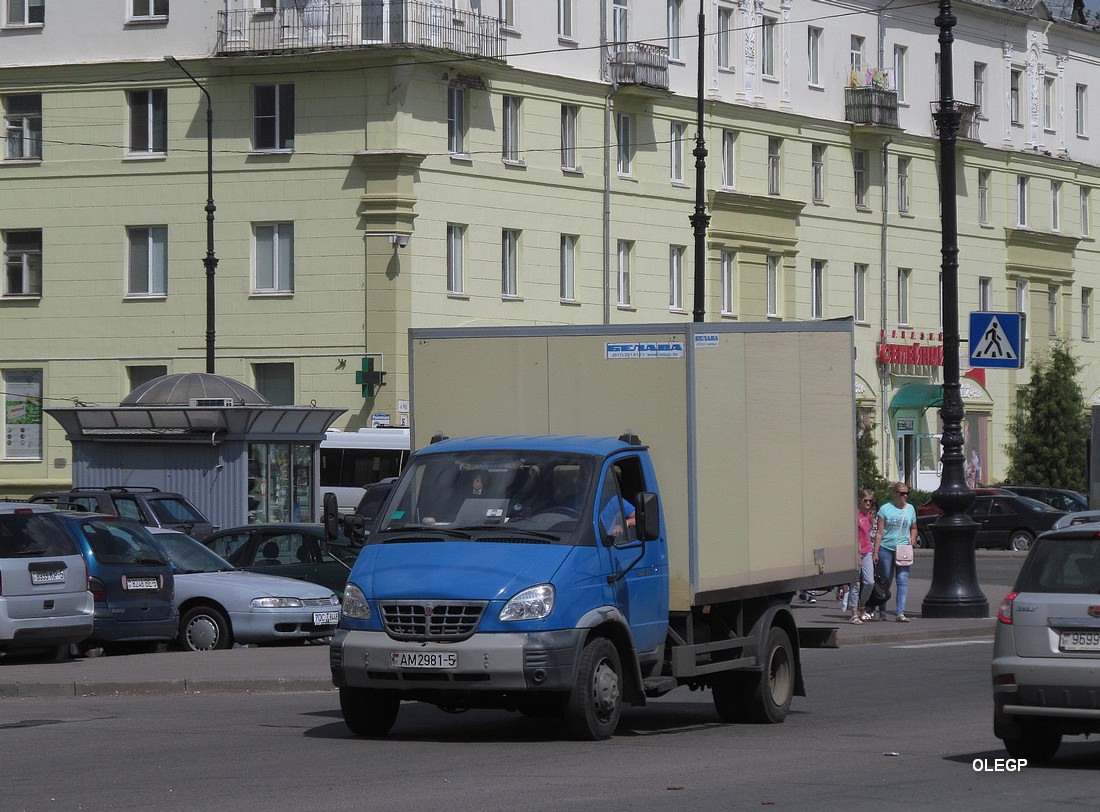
(902, 493)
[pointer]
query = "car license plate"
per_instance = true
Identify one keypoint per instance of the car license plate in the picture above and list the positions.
(47, 576)
(1080, 641)
(142, 583)
(326, 618)
(423, 659)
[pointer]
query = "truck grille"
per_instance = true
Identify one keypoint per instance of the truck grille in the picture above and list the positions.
(427, 620)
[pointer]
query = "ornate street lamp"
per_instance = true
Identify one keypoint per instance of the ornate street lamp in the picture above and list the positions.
(699, 218)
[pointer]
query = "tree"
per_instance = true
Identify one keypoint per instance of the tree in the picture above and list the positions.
(1051, 425)
(867, 472)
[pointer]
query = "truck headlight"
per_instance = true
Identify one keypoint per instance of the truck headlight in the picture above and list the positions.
(533, 603)
(355, 603)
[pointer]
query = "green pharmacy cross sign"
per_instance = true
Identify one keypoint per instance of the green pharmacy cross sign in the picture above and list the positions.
(370, 379)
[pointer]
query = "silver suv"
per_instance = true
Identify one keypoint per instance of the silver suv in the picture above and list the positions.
(44, 597)
(1046, 651)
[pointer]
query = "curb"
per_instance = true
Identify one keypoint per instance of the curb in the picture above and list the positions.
(54, 690)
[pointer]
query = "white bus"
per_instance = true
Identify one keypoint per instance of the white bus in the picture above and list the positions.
(351, 460)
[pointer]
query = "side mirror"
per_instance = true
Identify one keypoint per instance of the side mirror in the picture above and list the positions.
(647, 516)
(330, 516)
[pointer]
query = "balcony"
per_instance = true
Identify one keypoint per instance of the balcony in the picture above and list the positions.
(638, 64)
(876, 106)
(319, 24)
(968, 120)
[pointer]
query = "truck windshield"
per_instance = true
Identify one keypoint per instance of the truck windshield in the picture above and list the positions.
(542, 493)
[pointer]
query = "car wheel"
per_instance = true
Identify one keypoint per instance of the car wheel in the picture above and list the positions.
(1020, 540)
(1038, 742)
(924, 539)
(204, 628)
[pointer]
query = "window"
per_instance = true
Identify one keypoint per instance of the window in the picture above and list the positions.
(22, 414)
(623, 129)
(22, 263)
(1048, 102)
(455, 236)
(1052, 310)
(23, 126)
(1081, 96)
(267, 5)
(817, 288)
(507, 13)
(1084, 206)
(979, 86)
(148, 8)
(813, 56)
(859, 177)
(1021, 201)
(728, 273)
(274, 258)
(725, 38)
(901, 61)
(729, 163)
(625, 249)
(1086, 313)
(860, 287)
(674, 28)
(903, 184)
(903, 295)
(565, 19)
(148, 261)
(275, 381)
(676, 150)
(456, 120)
(509, 263)
(817, 171)
(767, 46)
(619, 19)
(26, 12)
(1055, 205)
(775, 151)
(148, 121)
(985, 293)
(772, 285)
(856, 59)
(274, 117)
(510, 146)
(1014, 77)
(983, 196)
(568, 136)
(676, 277)
(141, 374)
(567, 289)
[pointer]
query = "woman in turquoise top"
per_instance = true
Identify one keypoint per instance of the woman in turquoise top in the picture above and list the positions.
(896, 524)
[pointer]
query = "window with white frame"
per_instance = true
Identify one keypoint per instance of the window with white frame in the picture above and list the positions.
(509, 263)
(622, 276)
(1081, 108)
(817, 288)
(729, 159)
(624, 130)
(567, 285)
(267, 5)
(565, 19)
(23, 126)
(901, 69)
(673, 41)
(510, 136)
(676, 152)
(983, 196)
(676, 277)
(903, 295)
(775, 168)
(817, 172)
(859, 177)
(771, 285)
(728, 275)
(1048, 102)
(725, 38)
(855, 58)
(620, 17)
(985, 293)
(148, 272)
(456, 235)
(143, 9)
(1083, 207)
(569, 114)
(1055, 205)
(979, 86)
(1086, 313)
(936, 74)
(768, 62)
(22, 414)
(507, 13)
(1021, 201)
(1014, 79)
(903, 184)
(22, 263)
(859, 286)
(813, 55)
(1052, 310)
(274, 271)
(456, 120)
(26, 12)
(148, 121)
(273, 112)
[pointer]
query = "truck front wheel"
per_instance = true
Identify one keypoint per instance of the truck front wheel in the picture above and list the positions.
(369, 712)
(595, 703)
(768, 699)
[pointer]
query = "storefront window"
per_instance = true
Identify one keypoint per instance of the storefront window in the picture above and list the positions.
(280, 482)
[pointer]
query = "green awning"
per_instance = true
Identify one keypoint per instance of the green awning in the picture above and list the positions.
(916, 397)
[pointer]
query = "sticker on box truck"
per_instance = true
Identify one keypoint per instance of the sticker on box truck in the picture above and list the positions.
(706, 340)
(645, 349)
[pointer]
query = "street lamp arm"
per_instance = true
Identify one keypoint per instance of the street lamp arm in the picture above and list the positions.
(171, 60)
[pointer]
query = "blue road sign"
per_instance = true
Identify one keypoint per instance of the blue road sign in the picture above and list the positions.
(997, 340)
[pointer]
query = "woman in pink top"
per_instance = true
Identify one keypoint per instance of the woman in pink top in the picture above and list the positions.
(865, 572)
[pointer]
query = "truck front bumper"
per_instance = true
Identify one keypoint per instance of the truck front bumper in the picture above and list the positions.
(542, 661)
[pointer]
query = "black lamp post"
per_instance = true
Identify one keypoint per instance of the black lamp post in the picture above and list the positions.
(699, 218)
(210, 262)
(954, 591)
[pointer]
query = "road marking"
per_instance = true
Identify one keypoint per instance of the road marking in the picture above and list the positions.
(948, 643)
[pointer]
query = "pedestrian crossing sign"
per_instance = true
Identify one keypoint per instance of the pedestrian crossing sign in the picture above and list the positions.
(997, 340)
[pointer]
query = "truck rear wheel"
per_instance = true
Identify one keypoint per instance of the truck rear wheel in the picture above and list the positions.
(369, 712)
(768, 697)
(595, 703)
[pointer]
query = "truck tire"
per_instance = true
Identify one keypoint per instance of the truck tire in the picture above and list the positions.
(595, 703)
(768, 697)
(368, 711)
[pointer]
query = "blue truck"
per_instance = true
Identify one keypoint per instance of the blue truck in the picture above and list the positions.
(618, 512)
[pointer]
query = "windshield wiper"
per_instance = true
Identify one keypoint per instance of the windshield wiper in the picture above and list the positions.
(511, 530)
(424, 528)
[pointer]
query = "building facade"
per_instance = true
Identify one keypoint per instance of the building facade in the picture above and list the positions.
(395, 163)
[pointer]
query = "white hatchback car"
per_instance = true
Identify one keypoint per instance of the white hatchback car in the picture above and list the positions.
(44, 597)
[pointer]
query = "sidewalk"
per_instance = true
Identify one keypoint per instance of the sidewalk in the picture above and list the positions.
(305, 668)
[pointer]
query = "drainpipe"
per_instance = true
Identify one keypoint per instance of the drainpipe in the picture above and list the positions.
(884, 377)
(606, 225)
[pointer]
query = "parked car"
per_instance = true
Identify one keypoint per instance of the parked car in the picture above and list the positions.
(1005, 521)
(220, 605)
(298, 551)
(1069, 501)
(1046, 649)
(930, 508)
(149, 506)
(130, 579)
(1078, 517)
(44, 597)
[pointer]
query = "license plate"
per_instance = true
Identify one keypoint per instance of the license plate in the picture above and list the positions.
(142, 583)
(48, 576)
(326, 618)
(1080, 641)
(423, 659)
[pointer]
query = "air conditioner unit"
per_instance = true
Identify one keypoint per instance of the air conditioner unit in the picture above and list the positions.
(212, 402)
